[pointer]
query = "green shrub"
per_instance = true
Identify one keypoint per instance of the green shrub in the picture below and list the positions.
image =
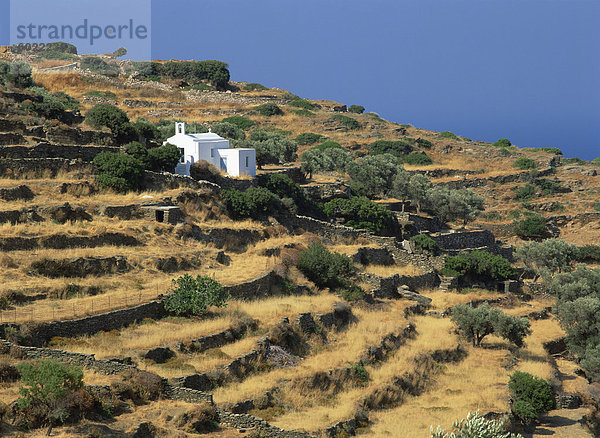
(425, 144)
(137, 150)
(502, 143)
(424, 243)
(308, 138)
(121, 51)
(345, 121)
(525, 163)
(417, 159)
(478, 265)
(121, 172)
(373, 174)
(448, 134)
(324, 268)
(325, 159)
(242, 123)
(360, 212)
(253, 86)
(576, 161)
(255, 202)
(47, 380)
(98, 65)
(548, 187)
(271, 147)
(62, 47)
(164, 158)
(115, 119)
(352, 292)
(328, 145)
(53, 105)
(526, 192)
(101, 94)
(302, 103)
(268, 110)
(16, 74)
(596, 160)
(398, 148)
(531, 396)
(532, 227)
(548, 150)
(356, 109)
(284, 187)
(192, 296)
(303, 113)
(588, 254)
(193, 72)
(504, 152)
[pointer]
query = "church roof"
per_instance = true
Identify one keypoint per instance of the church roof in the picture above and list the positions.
(207, 136)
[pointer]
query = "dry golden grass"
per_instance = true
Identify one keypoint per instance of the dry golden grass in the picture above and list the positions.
(432, 334)
(388, 271)
(443, 300)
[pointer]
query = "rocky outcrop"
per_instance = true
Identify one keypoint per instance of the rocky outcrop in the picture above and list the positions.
(41, 167)
(64, 241)
(19, 193)
(47, 150)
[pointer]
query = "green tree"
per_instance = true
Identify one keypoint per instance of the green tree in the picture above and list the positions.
(547, 257)
(362, 213)
(316, 160)
(137, 150)
(121, 51)
(164, 158)
(16, 74)
(417, 159)
(398, 148)
(302, 103)
(228, 130)
(255, 202)
(308, 138)
(345, 121)
(423, 242)
(503, 143)
(192, 296)
(418, 190)
(356, 109)
(115, 119)
(531, 396)
(145, 131)
(271, 147)
(455, 204)
(478, 265)
(373, 175)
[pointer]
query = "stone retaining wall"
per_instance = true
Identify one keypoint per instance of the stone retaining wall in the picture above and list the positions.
(47, 150)
(42, 333)
(464, 239)
(64, 241)
(499, 179)
(34, 168)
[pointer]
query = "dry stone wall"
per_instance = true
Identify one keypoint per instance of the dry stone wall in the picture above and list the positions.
(41, 167)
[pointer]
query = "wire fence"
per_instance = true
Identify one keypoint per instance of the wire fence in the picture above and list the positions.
(57, 310)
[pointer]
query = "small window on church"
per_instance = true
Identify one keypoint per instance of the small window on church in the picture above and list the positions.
(212, 153)
(246, 161)
(181, 155)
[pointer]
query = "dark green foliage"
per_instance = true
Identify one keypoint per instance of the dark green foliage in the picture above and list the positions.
(454, 204)
(228, 130)
(477, 322)
(525, 163)
(53, 105)
(596, 160)
(324, 268)
(345, 121)
(98, 65)
(121, 172)
(192, 296)
(303, 113)
(139, 151)
(352, 292)
(448, 134)
(502, 143)
(242, 123)
(271, 147)
(253, 86)
(577, 161)
(166, 128)
(418, 159)
(373, 174)
(255, 202)
(424, 243)
(398, 148)
(121, 51)
(302, 103)
(532, 227)
(478, 265)
(526, 192)
(588, 254)
(16, 74)
(328, 145)
(504, 152)
(328, 159)
(164, 158)
(356, 109)
(283, 186)
(360, 212)
(46, 381)
(115, 119)
(547, 186)
(308, 138)
(548, 150)
(101, 94)
(62, 47)
(531, 396)
(146, 131)
(268, 110)
(425, 144)
(194, 72)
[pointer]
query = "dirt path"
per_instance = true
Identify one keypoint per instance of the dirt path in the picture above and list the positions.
(562, 423)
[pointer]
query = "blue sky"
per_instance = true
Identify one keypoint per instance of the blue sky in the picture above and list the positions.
(527, 70)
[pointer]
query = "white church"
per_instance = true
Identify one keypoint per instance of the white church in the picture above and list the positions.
(214, 149)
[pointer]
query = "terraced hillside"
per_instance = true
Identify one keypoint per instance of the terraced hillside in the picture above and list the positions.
(86, 270)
